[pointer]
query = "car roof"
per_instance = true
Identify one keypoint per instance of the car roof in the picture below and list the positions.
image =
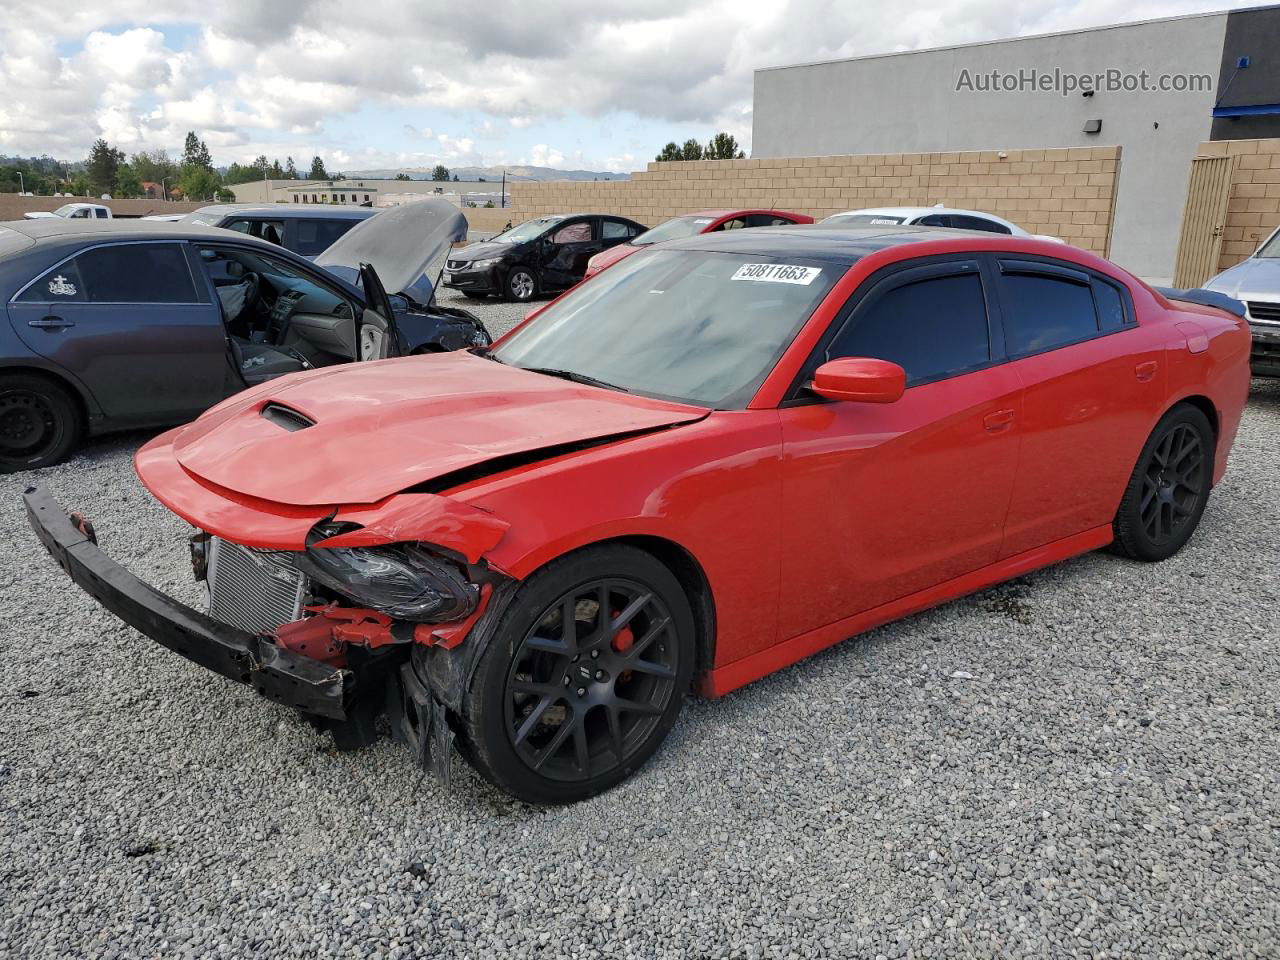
(916, 212)
(732, 211)
(835, 244)
(299, 211)
(58, 228)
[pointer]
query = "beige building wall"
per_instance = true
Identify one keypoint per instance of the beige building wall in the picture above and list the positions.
(1253, 210)
(1063, 192)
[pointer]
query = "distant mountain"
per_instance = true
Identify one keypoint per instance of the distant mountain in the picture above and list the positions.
(471, 174)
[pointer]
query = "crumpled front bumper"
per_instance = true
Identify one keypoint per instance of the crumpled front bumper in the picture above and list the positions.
(279, 675)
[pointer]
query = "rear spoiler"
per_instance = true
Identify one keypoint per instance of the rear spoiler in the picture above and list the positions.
(1206, 298)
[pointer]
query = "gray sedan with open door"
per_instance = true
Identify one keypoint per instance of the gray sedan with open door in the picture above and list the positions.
(119, 324)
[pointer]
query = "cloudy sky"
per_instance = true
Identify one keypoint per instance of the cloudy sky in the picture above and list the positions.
(595, 85)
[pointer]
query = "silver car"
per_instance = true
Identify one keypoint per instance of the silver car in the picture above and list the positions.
(1256, 281)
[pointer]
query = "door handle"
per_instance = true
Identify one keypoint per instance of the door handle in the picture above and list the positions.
(1146, 371)
(51, 323)
(997, 421)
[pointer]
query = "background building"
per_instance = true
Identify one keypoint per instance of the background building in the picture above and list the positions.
(1221, 74)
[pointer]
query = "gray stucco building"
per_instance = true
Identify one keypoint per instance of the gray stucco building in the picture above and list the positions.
(1157, 89)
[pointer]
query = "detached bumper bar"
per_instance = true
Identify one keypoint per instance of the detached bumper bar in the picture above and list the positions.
(277, 674)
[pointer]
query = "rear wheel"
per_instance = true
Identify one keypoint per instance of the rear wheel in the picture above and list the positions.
(40, 422)
(584, 677)
(1169, 488)
(521, 285)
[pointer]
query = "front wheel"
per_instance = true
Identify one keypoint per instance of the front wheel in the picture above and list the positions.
(40, 422)
(1169, 488)
(584, 677)
(521, 285)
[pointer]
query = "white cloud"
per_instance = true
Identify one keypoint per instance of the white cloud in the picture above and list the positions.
(541, 155)
(288, 72)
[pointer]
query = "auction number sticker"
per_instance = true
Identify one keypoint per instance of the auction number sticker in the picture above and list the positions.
(777, 273)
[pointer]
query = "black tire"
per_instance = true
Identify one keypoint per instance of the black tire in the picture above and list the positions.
(541, 702)
(1169, 488)
(521, 284)
(40, 422)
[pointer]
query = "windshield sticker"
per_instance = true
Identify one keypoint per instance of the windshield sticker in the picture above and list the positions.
(702, 223)
(777, 273)
(58, 286)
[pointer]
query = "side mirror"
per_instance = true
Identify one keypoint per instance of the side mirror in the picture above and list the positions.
(861, 379)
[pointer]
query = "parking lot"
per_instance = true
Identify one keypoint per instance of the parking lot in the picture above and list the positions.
(1081, 763)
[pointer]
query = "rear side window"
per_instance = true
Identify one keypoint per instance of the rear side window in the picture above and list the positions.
(1112, 314)
(316, 236)
(933, 328)
(935, 220)
(124, 273)
(1045, 310)
(615, 230)
(978, 223)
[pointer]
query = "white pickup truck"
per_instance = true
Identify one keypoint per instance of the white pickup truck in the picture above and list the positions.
(73, 211)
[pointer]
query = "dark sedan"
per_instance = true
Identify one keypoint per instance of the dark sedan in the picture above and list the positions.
(305, 229)
(118, 324)
(543, 255)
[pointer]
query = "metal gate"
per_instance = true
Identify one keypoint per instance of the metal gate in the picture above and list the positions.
(1203, 220)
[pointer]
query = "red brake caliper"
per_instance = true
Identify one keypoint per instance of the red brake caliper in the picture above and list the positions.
(623, 642)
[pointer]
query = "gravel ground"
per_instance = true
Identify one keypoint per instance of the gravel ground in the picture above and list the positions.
(1079, 764)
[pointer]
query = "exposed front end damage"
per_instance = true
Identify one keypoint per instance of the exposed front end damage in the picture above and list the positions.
(342, 665)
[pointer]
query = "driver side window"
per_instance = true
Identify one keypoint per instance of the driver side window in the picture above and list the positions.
(574, 233)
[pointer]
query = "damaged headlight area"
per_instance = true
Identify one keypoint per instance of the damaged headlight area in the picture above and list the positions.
(403, 581)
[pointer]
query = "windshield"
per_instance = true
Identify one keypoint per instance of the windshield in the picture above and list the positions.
(208, 218)
(673, 230)
(692, 326)
(1270, 249)
(856, 219)
(66, 210)
(527, 230)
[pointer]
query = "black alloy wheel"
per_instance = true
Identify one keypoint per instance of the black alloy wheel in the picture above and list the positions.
(1169, 488)
(40, 422)
(584, 678)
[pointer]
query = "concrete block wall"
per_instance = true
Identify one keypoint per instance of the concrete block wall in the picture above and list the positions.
(1253, 210)
(1066, 192)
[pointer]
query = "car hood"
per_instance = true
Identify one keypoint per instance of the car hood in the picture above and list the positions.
(405, 244)
(607, 258)
(482, 250)
(1256, 278)
(359, 433)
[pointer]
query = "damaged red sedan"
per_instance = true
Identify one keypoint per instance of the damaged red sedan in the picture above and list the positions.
(718, 457)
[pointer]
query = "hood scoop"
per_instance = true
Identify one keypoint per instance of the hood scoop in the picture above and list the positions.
(286, 418)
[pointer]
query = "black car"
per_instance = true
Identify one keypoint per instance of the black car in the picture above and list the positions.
(115, 324)
(305, 229)
(542, 255)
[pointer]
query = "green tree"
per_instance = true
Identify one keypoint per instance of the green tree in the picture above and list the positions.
(275, 171)
(670, 152)
(455, 178)
(104, 162)
(692, 150)
(441, 172)
(80, 185)
(154, 167)
(403, 176)
(290, 171)
(723, 146)
(197, 182)
(128, 183)
(195, 153)
(318, 171)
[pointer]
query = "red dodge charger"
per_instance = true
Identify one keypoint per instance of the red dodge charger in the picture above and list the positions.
(720, 456)
(705, 221)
